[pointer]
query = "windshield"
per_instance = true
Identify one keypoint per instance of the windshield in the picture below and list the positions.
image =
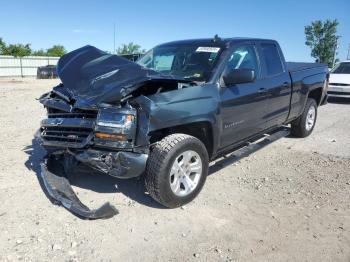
(191, 62)
(341, 68)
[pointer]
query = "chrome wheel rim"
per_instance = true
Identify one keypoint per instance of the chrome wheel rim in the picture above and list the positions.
(185, 173)
(310, 118)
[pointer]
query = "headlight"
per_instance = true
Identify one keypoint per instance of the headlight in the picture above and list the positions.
(115, 124)
(117, 120)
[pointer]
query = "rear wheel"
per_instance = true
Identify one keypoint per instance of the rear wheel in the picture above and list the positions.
(304, 125)
(176, 170)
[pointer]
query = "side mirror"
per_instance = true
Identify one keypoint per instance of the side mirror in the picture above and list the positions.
(238, 76)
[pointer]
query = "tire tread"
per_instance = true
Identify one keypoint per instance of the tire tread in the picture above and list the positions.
(298, 126)
(157, 163)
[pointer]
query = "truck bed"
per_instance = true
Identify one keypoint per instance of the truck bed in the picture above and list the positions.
(297, 66)
(305, 78)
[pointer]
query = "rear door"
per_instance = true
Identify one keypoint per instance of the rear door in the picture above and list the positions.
(276, 79)
(243, 105)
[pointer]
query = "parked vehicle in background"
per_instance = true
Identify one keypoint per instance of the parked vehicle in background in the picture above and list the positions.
(132, 57)
(181, 105)
(47, 72)
(339, 80)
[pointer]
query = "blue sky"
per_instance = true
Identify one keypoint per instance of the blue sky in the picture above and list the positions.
(148, 23)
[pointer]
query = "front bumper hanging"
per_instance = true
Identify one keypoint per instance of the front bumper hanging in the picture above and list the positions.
(59, 188)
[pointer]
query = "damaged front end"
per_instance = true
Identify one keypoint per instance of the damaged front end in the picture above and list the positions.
(100, 112)
(93, 118)
(104, 139)
(101, 116)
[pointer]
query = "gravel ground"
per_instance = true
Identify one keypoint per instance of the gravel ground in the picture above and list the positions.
(289, 201)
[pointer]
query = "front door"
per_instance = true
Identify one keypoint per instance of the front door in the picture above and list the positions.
(243, 105)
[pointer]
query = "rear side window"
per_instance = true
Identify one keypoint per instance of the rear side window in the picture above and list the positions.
(272, 59)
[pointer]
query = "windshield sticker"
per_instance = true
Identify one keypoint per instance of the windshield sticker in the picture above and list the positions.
(208, 49)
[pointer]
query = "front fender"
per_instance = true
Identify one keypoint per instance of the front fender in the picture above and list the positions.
(183, 106)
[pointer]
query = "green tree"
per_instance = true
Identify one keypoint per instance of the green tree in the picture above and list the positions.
(322, 38)
(2, 46)
(131, 48)
(40, 52)
(17, 50)
(56, 50)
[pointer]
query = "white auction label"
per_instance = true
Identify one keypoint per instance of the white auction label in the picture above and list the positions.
(208, 49)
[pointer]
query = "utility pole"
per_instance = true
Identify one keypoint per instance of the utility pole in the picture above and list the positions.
(348, 56)
(113, 38)
(335, 53)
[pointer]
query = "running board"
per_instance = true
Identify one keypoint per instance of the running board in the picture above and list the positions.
(250, 148)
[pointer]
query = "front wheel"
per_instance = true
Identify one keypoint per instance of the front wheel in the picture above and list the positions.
(176, 170)
(304, 125)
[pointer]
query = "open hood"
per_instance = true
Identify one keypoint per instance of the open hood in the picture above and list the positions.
(91, 76)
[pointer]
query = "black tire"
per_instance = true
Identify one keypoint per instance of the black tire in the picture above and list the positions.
(160, 161)
(298, 126)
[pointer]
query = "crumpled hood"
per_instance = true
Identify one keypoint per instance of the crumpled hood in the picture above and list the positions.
(91, 76)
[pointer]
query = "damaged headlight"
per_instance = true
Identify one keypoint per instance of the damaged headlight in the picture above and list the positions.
(115, 124)
(113, 119)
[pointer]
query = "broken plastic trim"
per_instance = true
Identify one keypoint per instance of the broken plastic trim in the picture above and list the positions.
(59, 189)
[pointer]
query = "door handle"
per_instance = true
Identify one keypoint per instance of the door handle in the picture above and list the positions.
(262, 90)
(285, 84)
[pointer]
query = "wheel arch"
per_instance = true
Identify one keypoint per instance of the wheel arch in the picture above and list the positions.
(316, 94)
(203, 130)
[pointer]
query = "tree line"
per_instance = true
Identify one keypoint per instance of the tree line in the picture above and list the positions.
(129, 49)
(20, 50)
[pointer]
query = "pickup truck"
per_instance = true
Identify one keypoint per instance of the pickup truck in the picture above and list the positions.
(163, 118)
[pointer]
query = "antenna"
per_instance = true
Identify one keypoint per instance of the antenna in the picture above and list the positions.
(216, 38)
(113, 38)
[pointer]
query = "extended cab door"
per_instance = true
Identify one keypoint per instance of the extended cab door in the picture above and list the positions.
(276, 80)
(242, 105)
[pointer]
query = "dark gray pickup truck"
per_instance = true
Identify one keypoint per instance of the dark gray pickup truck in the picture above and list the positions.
(165, 117)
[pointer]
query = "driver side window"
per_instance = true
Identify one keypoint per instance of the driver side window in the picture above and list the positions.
(243, 57)
(163, 63)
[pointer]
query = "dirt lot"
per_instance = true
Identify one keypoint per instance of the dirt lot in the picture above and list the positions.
(289, 201)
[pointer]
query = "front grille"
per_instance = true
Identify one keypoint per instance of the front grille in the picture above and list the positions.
(65, 134)
(68, 129)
